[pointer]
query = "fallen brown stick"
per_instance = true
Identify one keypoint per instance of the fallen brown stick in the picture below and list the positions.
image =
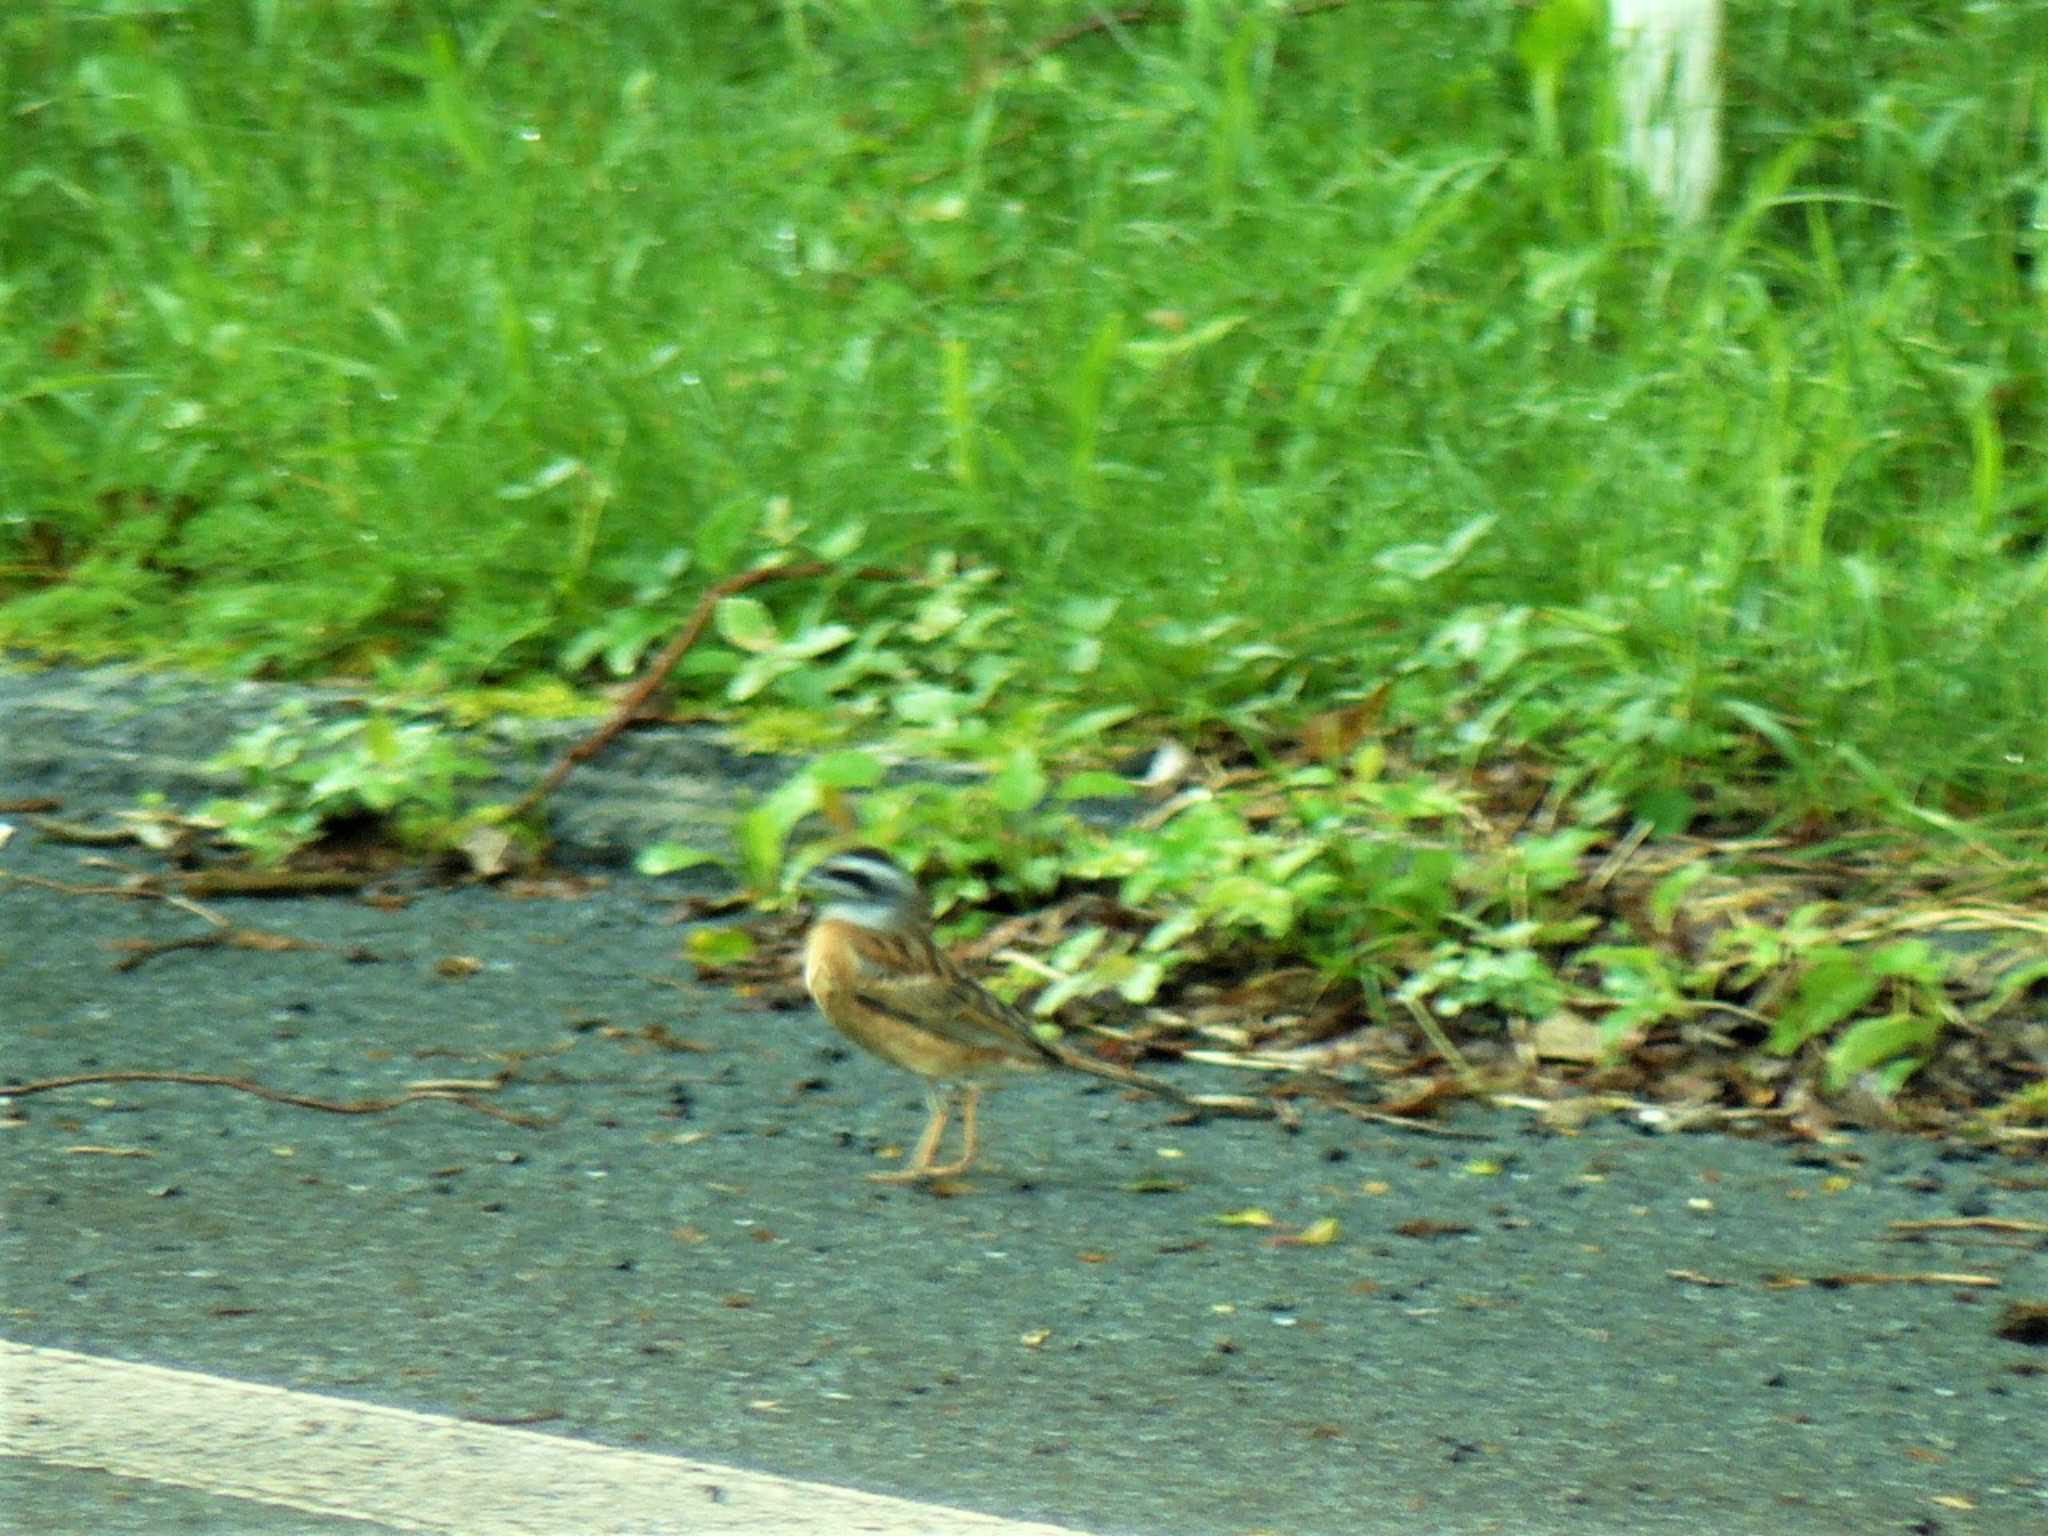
(635, 698)
(468, 1100)
(1918, 1277)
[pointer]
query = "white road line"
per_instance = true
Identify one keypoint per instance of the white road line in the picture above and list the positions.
(413, 1471)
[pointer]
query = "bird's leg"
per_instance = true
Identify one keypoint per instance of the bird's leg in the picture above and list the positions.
(970, 1142)
(938, 1100)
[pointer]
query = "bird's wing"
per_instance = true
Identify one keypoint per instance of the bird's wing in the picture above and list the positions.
(953, 1008)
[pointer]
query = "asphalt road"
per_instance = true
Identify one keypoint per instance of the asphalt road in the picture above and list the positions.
(1509, 1334)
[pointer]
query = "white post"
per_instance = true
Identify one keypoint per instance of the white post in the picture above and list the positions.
(1668, 79)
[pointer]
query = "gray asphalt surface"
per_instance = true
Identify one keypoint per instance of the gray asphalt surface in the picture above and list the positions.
(687, 1257)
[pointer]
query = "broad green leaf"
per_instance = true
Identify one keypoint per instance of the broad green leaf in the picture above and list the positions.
(1170, 930)
(1020, 783)
(1869, 1042)
(937, 615)
(1669, 894)
(1141, 982)
(1912, 959)
(1668, 811)
(380, 738)
(1089, 614)
(762, 833)
(1095, 784)
(1078, 949)
(926, 704)
(848, 770)
(1419, 562)
(2010, 986)
(758, 673)
(816, 641)
(1838, 982)
(746, 624)
(1091, 724)
(1064, 991)
(1245, 899)
(672, 858)
(841, 541)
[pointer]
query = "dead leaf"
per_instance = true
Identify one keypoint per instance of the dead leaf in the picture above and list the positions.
(1317, 1234)
(1336, 733)
(1423, 1227)
(659, 1035)
(491, 851)
(711, 948)
(1564, 1036)
(1251, 1216)
(1420, 1096)
(1293, 989)
(457, 967)
(1569, 1116)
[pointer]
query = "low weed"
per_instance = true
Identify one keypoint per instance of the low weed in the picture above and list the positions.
(1247, 376)
(1243, 359)
(305, 778)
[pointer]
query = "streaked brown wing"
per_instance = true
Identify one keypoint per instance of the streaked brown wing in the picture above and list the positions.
(953, 1008)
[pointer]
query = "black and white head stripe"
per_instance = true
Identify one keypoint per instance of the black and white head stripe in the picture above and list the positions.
(863, 871)
(864, 883)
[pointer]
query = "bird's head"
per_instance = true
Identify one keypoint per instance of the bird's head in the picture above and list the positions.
(867, 888)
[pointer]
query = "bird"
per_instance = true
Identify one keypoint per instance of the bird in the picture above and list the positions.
(873, 969)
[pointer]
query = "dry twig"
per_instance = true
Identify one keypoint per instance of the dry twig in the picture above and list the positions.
(1917, 1277)
(139, 952)
(468, 1100)
(1401, 1122)
(636, 697)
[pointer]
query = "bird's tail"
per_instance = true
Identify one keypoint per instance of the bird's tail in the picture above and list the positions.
(1208, 1104)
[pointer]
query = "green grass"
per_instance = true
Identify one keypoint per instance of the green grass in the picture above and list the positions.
(418, 336)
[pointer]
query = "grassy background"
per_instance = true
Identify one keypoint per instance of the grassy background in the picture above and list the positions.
(1332, 348)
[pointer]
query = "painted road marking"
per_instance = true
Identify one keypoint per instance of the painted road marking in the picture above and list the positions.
(412, 1471)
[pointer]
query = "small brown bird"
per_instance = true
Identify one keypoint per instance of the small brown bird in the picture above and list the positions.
(874, 972)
